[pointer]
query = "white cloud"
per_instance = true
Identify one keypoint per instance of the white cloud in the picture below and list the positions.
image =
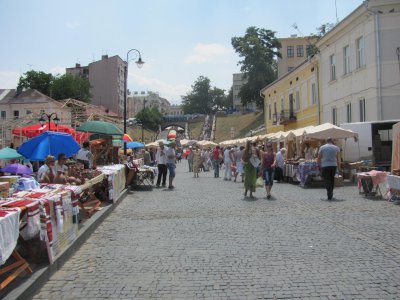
(166, 90)
(9, 80)
(72, 24)
(207, 52)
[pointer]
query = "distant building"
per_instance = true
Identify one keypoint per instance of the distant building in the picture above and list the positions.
(294, 51)
(175, 110)
(107, 80)
(140, 100)
(23, 108)
(238, 82)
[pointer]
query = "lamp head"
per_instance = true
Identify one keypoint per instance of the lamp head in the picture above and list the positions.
(56, 120)
(140, 62)
(42, 121)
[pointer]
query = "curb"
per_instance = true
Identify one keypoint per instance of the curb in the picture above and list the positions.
(28, 288)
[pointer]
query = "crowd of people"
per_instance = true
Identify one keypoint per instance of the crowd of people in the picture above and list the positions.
(250, 164)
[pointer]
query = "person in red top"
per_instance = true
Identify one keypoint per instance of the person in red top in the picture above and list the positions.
(268, 167)
(216, 155)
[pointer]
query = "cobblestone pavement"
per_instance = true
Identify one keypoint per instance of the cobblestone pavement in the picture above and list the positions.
(204, 240)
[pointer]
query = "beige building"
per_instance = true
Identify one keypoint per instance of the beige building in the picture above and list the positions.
(238, 82)
(294, 50)
(107, 80)
(140, 100)
(18, 109)
(359, 62)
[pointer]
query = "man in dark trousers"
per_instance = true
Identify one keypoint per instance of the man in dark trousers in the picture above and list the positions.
(329, 161)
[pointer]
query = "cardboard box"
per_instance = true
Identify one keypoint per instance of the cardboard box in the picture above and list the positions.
(12, 180)
(338, 181)
(4, 189)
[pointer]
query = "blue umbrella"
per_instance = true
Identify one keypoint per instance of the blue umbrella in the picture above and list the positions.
(49, 143)
(134, 145)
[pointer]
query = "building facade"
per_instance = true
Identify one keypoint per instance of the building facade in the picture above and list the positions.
(107, 80)
(294, 50)
(22, 108)
(238, 82)
(140, 100)
(292, 100)
(360, 59)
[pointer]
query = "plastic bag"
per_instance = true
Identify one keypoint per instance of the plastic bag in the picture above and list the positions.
(260, 182)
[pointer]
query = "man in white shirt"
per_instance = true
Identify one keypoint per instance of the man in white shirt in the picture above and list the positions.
(228, 160)
(46, 173)
(161, 160)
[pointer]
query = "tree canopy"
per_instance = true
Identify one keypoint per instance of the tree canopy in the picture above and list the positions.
(203, 99)
(71, 86)
(258, 49)
(150, 118)
(57, 87)
(40, 81)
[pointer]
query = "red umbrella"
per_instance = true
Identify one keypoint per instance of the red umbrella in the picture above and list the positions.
(35, 130)
(127, 138)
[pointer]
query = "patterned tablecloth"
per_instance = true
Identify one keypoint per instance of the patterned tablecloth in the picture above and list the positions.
(9, 231)
(393, 182)
(305, 170)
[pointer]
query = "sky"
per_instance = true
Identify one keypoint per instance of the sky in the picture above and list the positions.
(179, 40)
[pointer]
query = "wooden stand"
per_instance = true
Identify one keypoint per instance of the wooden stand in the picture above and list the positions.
(19, 266)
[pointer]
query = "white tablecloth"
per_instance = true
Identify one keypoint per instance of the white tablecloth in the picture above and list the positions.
(9, 232)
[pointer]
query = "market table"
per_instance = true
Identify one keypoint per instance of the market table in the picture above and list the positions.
(9, 232)
(370, 183)
(306, 171)
(394, 187)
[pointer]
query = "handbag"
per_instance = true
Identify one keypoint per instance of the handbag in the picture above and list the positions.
(260, 182)
(255, 161)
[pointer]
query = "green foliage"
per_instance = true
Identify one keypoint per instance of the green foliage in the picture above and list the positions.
(59, 87)
(40, 81)
(321, 31)
(71, 86)
(258, 49)
(203, 99)
(150, 118)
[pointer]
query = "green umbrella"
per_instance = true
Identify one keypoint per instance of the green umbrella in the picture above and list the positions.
(9, 153)
(100, 127)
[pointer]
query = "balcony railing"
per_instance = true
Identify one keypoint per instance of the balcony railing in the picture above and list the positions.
(284, 117)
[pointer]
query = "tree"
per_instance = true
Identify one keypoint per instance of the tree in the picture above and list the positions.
(40, 81)
(229, 98)
(71, 86)
(259, 48)
(204, 99)
(321, 31)
(150, 118)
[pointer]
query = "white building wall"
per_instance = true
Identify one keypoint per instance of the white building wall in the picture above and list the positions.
(362, 83)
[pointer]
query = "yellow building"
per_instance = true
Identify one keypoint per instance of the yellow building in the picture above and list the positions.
(292, 101)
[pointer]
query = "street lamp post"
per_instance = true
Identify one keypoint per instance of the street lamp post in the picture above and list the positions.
(139, 63)
(42, 120)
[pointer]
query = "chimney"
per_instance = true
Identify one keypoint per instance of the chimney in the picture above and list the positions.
(104, 56)
(77, 65)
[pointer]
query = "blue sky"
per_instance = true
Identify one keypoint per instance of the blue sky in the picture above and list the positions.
(179, 40)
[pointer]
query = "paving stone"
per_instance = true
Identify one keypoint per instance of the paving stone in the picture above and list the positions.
(205, 240)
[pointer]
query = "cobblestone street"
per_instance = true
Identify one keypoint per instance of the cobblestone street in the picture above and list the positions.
(205, 240)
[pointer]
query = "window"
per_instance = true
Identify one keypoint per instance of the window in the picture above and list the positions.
(16, 114)
(275, 110)
(348, 110)
(300, 50)
(334, 116)
(360, 52)
(290, 51)
(297, 100)
(362, 110)
(290, 69)
(308, 50)
(346, 60)
(28, 111)
(313, 93)
(332, 64)
(269, 112)
(282, 105)
(3, 114)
